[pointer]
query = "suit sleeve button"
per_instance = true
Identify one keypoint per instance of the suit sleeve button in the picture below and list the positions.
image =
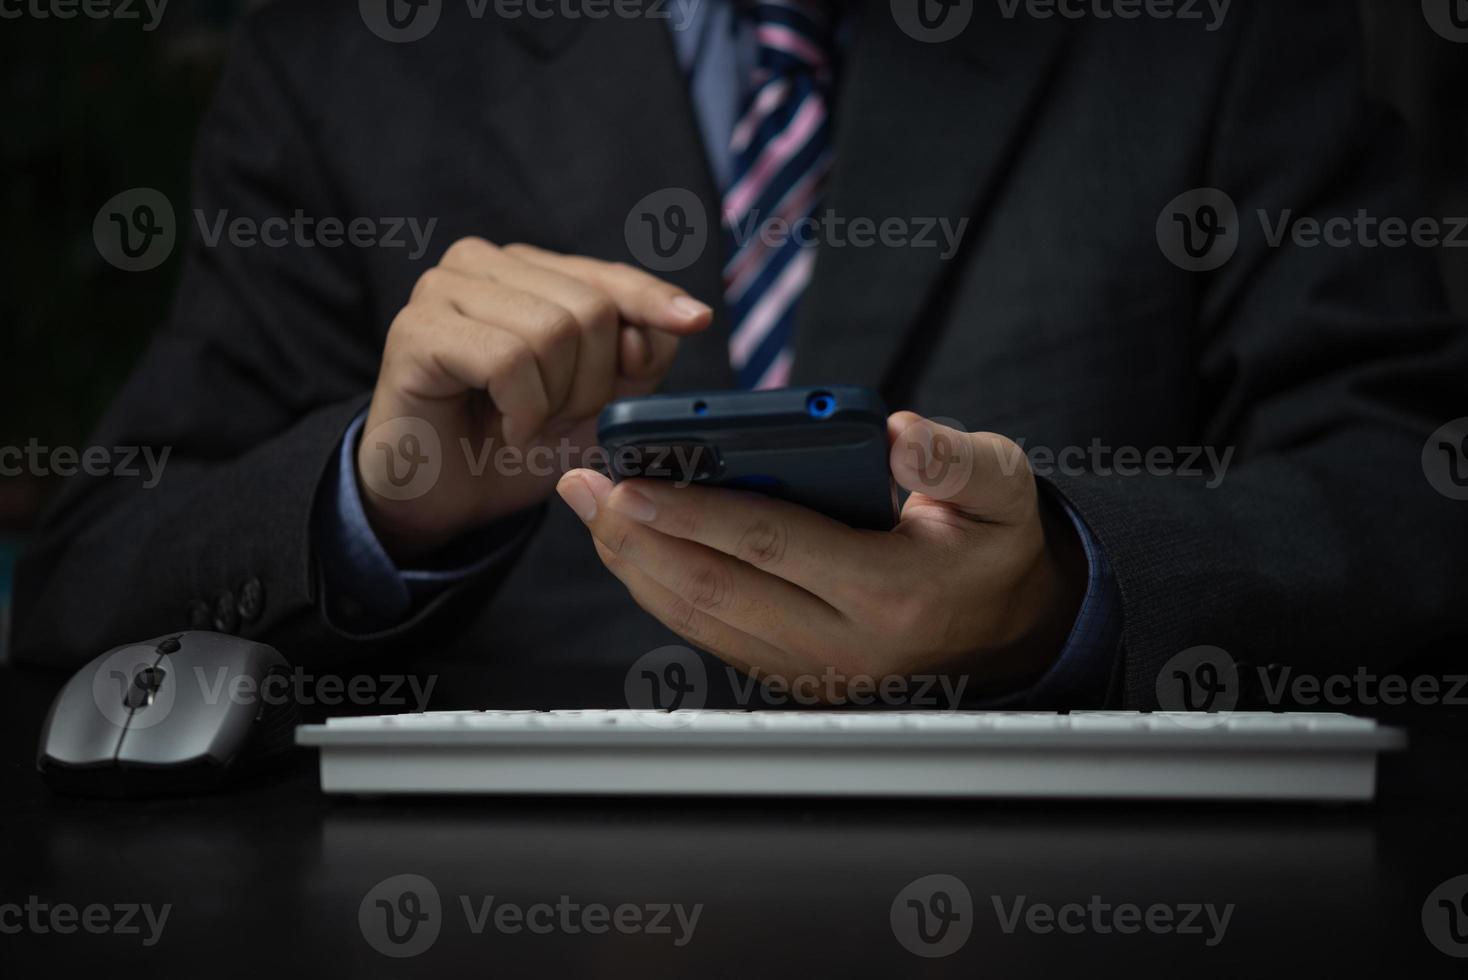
(252, 600)
(201, 617)
(226, 616)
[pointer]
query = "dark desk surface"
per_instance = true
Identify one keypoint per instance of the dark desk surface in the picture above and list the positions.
(267, 880)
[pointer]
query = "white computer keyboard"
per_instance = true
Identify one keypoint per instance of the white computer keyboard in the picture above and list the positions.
(1178, 755)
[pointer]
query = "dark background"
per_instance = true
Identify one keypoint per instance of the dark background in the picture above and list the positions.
(94, 107)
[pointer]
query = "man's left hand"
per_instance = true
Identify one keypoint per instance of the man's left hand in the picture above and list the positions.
(979, 577)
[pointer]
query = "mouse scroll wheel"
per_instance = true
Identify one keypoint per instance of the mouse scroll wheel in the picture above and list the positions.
(144, 688)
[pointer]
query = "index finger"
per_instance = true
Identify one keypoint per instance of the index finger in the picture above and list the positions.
(810, 550)
(641, 298)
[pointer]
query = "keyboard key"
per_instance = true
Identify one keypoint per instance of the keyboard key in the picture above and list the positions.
(1105, 721)
(1029, 722)
(795, 721)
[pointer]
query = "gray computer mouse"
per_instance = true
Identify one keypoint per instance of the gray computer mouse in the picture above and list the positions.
(176, 713)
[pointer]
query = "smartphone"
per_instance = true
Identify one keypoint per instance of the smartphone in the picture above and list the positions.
(822, 448)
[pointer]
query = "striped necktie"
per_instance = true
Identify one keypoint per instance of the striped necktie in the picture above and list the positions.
(781, 152)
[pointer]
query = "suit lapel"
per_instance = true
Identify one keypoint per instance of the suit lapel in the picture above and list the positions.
(602, 121)
(924, 131)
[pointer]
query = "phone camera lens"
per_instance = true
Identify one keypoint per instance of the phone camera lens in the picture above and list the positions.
(700, 408)
(821, 405)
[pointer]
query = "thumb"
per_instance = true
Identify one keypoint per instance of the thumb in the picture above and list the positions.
(979, 474)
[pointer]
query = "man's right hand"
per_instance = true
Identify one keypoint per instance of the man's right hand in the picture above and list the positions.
(516, 345)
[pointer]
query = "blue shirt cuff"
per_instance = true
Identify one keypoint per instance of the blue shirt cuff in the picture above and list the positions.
(363, 588)
(1079, 678)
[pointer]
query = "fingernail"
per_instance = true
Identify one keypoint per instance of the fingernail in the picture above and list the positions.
(629, 503)
(689, 308)
(578, 497)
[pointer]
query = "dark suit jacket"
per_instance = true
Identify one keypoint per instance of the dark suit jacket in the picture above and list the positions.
(1059, 322)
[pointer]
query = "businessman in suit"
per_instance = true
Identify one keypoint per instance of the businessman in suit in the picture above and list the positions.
(1054, 323)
